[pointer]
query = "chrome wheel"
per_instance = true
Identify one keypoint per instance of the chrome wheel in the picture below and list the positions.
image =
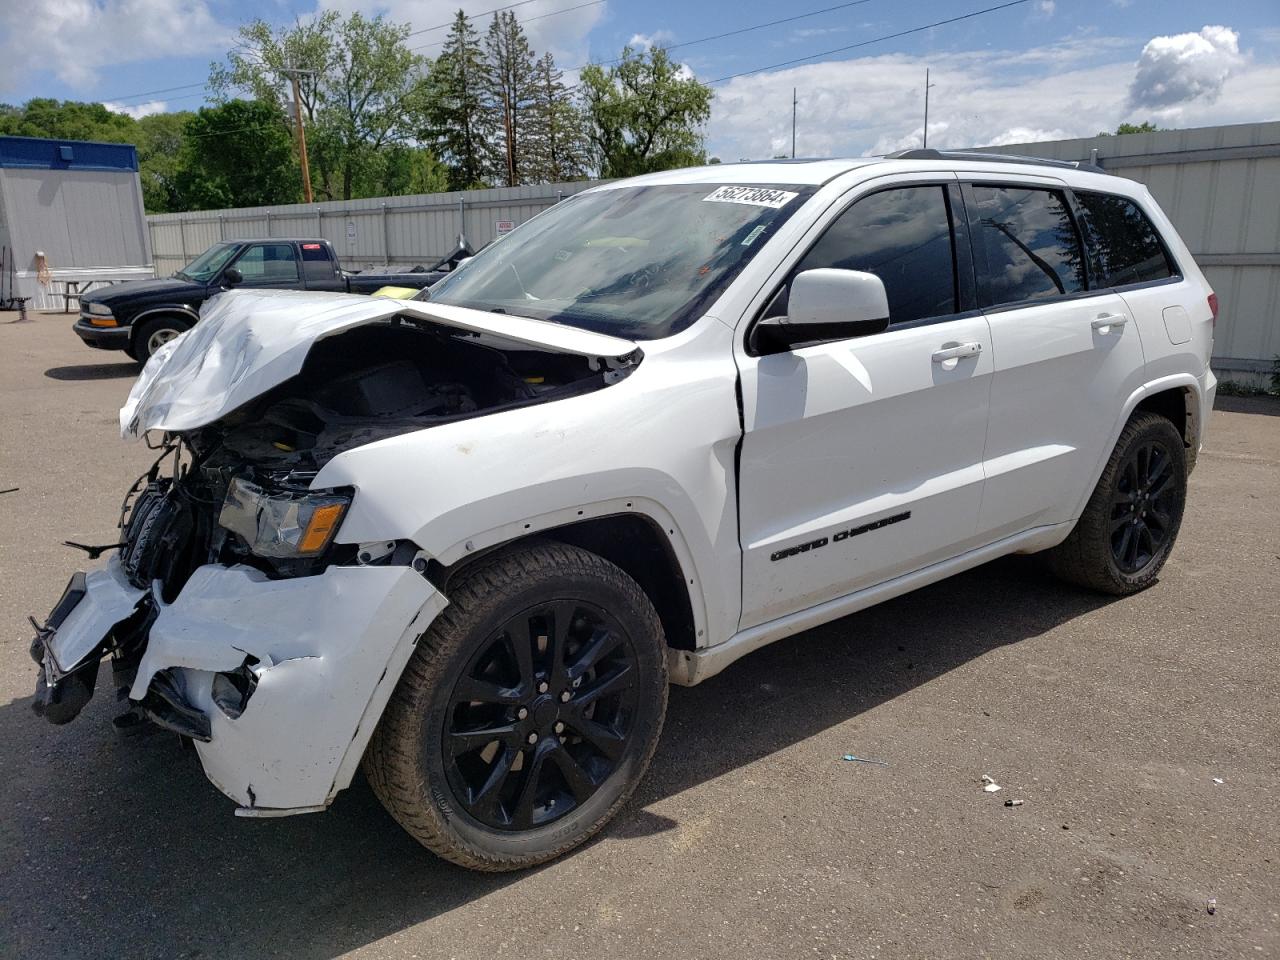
(160, 337)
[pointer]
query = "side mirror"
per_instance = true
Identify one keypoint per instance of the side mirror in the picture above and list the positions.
(231, 276)
(825, 304)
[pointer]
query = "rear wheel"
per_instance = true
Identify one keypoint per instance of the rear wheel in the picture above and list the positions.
(1132, 519)
(528, 712)
(153, 334)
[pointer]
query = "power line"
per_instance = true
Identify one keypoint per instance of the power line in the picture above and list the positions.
(866, 43)
(541, 16)
(147, 93)
(758, 26)
(474, 16)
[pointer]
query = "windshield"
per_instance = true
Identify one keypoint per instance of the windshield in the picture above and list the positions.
(636, 262)
(206, 266)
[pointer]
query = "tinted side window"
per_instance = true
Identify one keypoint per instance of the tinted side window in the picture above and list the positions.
(903, 236)
(268, 262)
(1125, 244)
(314, 253)
(1028, 241)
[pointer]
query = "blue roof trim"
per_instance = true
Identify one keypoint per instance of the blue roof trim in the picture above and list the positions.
(40, 154)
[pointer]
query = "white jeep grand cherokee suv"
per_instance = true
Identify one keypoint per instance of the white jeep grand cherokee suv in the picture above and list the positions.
(467, 542)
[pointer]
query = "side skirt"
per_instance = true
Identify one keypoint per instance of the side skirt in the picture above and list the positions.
(689, 667)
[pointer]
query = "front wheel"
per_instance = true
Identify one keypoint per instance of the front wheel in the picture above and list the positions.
(528, 712)
(1131, 521)
(153, 334)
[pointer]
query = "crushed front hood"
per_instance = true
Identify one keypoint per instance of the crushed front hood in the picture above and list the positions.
(250, 341)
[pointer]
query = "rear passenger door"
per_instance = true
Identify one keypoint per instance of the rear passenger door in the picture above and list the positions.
(1067, 354)
(272, 264)
(861, 459)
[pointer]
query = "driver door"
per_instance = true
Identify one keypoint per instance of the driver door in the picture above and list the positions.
(862, 459)
(273, 264)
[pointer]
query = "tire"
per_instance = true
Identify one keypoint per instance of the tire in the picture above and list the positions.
(153, 334)
(1129, 526)
(425, 762)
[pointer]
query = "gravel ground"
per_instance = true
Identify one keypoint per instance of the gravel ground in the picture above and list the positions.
(751, 837)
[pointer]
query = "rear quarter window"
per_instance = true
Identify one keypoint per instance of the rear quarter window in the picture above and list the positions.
(1126, 245)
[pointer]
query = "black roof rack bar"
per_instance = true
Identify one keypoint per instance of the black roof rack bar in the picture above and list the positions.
(980, 156)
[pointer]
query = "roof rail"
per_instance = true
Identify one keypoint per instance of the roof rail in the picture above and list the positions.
(980, 156)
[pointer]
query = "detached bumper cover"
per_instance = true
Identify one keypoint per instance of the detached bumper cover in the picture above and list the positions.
(108, 600)
(325, 653)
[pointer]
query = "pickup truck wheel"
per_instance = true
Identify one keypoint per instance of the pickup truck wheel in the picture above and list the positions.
(154, 334)
(1129, 526)
(528, 712)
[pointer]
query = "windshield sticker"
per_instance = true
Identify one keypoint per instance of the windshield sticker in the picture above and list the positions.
(752, 237)
(755, 196)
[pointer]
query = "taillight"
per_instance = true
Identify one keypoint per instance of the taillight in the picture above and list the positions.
(1213, 309)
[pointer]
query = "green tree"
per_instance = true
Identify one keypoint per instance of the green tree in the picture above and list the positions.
(66, 120)
(160, 140)
(509, 81)
(409, 169)
(557, 140)
(237, 154)
(363, 90)
(459, 122)
(1145, 127)
(645, 113)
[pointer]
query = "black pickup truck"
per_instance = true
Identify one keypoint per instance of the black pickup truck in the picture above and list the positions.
(141, 315)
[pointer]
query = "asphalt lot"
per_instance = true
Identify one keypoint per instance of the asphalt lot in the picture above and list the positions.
(751, 837)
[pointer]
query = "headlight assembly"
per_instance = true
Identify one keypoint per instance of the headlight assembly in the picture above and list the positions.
(100, 310)
(281, 524)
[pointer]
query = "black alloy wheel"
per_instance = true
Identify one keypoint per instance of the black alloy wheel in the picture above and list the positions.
(528, 712)
(541, 715)
(1144, 506)
(1129, 526)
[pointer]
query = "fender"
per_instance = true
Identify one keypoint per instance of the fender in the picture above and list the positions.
(1195, 424)
(180, 308)
(659, 443)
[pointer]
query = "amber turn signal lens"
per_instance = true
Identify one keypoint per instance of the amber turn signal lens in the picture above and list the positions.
(102, 322)
(320, 528)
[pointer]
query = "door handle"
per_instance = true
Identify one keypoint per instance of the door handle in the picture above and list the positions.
(956, 352)
(1108, 320)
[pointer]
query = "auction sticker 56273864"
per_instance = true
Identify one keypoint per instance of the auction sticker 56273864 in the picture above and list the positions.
(755, 196)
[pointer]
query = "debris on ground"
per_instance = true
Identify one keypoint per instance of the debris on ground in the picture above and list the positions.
(990, 786)
(10, 490)
(852, 759)
(1218, 780)
(1014, 803)
(1212, 906)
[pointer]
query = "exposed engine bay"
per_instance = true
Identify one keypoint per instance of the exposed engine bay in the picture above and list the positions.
(368, 384)
(236, 492)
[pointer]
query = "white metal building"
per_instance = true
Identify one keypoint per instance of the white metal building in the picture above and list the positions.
(71, 217)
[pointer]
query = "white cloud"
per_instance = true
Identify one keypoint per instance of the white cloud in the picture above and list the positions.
(647, 41)
(137, 110)
(872, 105)
(75, 39)
(1187, 66)
(1046, 7)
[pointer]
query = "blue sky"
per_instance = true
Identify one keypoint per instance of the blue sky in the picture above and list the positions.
(1044, 68)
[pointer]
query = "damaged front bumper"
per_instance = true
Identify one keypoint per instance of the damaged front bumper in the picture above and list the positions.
(279, 682)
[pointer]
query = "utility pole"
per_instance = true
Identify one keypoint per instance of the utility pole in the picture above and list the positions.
(793, 123)
(927, 85)
(293, 75)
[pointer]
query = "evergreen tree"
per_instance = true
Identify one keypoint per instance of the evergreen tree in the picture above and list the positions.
(557, 144)
(460, 122)
(510, 88)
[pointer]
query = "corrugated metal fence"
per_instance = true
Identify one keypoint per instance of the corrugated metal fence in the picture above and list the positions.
(387, 231)
(1221, 188)
(1219, 185)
